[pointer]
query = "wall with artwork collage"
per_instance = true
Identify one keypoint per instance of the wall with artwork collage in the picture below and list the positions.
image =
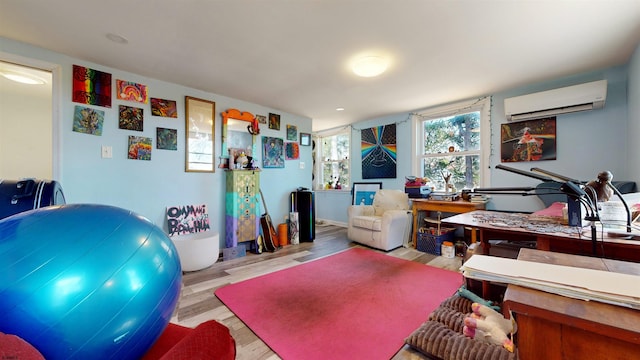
(131, 154)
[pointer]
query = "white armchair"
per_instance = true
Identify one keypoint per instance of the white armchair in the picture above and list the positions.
(385, 225)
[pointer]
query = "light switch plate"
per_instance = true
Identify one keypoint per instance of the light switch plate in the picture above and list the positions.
(301, 164)
(107, 152)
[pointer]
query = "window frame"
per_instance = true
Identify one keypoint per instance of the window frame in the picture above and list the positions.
(482, 105)
(319, 181)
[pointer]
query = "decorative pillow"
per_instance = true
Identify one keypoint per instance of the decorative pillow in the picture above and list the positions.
(389, 200)
(14, 347)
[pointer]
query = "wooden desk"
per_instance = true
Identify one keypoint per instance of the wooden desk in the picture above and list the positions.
(556, 327)
(493, 225)
(457, 207)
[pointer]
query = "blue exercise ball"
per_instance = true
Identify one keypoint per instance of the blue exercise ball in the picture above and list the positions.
(84, 281)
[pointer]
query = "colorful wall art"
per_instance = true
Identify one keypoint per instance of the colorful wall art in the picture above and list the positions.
(531, 140)
(164, 108)
(274, 121)
(292, 151)
(130, 91)
(378, 148)
(91, 87)
(139, 148)
(166, 139)
(272, 152)
(187, 219)
(87, 120)
(292, 132)
(130, 118)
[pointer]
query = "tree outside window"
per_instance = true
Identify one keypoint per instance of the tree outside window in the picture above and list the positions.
(334, 161)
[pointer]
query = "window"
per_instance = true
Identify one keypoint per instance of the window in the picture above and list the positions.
(333, 161)
(453, 142)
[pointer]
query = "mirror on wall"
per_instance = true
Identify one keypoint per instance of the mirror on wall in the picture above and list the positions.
(239, 129)
(200, 133)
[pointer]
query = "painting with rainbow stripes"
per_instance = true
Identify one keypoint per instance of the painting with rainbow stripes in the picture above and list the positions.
(130, 91)
(378, 148)
(91, 86)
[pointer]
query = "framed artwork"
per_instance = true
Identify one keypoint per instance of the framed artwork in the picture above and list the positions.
(305, 139)
(130, 118)
(261, 119)
(272, 152)
(88, 121)
(292, 151)
(530, 140)
(139, 148)
(130, 91)
(274, 121)
(378, 149)
(363, 193)
(164, 108)
(91, 87)
(166, 139)
(292, 132)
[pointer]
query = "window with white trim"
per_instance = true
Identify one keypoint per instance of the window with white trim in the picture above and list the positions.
(333, 163)
(453, 142)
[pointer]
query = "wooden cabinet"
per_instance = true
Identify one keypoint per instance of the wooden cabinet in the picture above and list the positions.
(242, 208)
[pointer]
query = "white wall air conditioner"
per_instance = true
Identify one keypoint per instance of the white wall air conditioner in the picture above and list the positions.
(564, 100)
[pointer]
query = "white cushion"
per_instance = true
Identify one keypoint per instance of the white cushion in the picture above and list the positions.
(389, 200)
(373, 223)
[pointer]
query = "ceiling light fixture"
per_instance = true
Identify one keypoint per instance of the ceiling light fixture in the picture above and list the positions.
(23, 78)
(370, 66)
(339, 109)
(117, 38)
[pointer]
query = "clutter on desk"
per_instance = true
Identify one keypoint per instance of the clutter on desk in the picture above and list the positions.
(444, 196)
(417, 187)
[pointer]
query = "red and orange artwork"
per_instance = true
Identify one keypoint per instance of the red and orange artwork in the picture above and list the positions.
(130, 91)
(164, 108)
(91, 86)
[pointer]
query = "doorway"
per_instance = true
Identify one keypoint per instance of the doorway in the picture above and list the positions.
(26, 122)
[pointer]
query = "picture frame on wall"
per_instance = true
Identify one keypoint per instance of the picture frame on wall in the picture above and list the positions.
(362, 193)
(305, 139)
(274, 121)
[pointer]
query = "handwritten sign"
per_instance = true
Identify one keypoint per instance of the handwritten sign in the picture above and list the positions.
(187, 219)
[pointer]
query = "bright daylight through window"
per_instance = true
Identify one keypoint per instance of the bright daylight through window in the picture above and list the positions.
(449, 145)
(333, 159)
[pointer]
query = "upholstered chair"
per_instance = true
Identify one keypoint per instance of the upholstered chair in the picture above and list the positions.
(385, 225)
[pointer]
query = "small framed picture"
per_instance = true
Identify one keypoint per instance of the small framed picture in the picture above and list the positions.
(274, 121)
(305, 139)
(363, 193)
(261, 119)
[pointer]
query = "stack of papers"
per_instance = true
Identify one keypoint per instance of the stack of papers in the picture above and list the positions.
(578, 283)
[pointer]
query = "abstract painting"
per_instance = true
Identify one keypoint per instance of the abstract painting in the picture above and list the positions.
(274, 121)
(292, 132)
(91, 87)
(130, 91)
(531, 140)
(378, 149)
(166, 139)
(272, 152)
(130, 118)
(88, 121)
(164, 108)
(292, 151)
(139, 148)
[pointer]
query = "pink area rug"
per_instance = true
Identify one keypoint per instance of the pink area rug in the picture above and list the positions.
(358, 304)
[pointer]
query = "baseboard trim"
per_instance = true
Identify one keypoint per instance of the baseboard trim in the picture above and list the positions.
(321, 222)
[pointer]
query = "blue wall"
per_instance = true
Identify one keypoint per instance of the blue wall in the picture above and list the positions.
(588, 142)
(148, 187)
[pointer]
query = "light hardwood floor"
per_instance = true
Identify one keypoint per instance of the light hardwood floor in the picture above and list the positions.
(198, 302)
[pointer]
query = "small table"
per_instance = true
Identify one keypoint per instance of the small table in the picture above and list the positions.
(457, 207)
(552, 326)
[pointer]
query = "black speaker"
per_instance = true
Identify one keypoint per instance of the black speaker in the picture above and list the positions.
(303, 202)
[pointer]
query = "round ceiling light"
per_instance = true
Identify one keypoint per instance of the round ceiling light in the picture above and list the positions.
(370, 66)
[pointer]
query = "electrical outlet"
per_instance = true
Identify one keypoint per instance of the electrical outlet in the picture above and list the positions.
(301, 164)
(107, 152)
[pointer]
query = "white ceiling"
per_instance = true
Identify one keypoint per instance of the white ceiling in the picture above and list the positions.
(293, 55)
